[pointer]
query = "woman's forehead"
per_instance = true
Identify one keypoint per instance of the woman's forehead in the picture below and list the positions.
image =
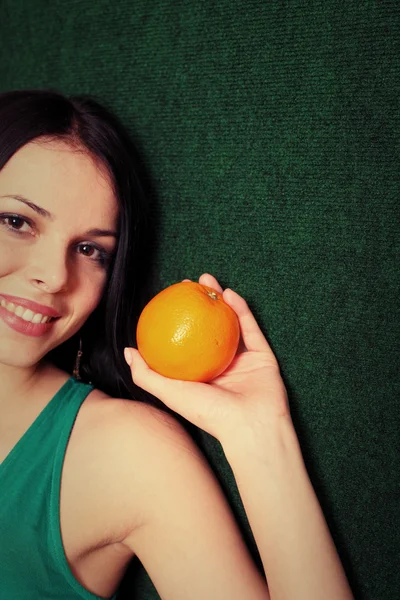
(55, 174)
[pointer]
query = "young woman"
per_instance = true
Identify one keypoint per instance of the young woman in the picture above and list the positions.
(89, 475)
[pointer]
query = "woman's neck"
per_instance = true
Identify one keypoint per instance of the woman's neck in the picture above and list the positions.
(19, 383)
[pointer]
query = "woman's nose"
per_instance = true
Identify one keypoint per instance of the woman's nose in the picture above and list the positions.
(49, 270)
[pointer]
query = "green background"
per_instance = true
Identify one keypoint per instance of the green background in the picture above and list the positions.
(270, 131)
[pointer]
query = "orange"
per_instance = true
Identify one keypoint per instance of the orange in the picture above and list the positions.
(188, 332)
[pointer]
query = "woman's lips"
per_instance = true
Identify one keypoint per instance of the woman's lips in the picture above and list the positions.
(31, 305)
(25, 327)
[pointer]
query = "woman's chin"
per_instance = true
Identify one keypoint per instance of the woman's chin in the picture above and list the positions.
(14, 355)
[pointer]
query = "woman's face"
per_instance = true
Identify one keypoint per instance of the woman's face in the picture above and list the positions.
(55, 243)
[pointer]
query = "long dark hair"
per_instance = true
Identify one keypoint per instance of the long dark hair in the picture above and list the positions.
(82, 121)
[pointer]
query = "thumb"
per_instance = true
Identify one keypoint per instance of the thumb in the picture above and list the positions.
(195, 401)
(163, 387)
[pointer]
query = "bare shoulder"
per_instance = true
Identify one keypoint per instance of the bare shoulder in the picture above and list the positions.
(137, 425)
(130, 451)
(161, 501)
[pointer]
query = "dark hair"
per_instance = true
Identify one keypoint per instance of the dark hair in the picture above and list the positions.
(85, 124)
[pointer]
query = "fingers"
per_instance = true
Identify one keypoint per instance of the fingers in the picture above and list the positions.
(210, 281)
(253, 337)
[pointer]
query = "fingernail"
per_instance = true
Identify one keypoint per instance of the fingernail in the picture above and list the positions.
(128, 356)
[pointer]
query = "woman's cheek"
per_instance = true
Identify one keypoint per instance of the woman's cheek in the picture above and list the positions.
(11, 259)
(93, 286)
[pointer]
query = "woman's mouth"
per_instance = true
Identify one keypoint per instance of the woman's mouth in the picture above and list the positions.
(24, 320)
(24, 313)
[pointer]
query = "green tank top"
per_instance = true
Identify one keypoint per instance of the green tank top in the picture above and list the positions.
(33, 565)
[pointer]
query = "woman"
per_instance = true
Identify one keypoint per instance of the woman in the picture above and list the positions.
(90, 477)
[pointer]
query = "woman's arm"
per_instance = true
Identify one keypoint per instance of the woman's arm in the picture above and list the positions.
(246, 408)
(184, 532)
(296, 548)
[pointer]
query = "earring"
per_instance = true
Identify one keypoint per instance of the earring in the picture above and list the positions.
(78, 361)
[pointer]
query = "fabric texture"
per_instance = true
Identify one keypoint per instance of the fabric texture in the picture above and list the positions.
(33, 565)
(270, 131)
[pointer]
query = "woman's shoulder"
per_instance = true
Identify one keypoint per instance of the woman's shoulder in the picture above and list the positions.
(111, 416)
(122, 451)
(136, 431)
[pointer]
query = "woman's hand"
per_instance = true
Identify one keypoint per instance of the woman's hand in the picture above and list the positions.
(248, 397)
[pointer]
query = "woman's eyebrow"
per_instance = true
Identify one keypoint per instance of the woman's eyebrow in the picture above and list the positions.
(45, 213)
(101, 233)
(40, 211)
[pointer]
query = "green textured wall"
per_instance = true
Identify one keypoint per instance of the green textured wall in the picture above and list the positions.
(271, 134)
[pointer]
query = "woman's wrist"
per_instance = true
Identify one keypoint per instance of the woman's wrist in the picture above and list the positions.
(297, 551)
(266, 444)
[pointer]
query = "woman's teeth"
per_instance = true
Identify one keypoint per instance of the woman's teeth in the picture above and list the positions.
(24, 313)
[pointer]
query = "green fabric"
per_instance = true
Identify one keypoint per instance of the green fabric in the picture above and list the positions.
(270, 131)
(33, 564)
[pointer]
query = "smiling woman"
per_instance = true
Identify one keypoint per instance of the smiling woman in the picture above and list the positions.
(71, 197)
(47, 249)
(90, 477)
(61, 138)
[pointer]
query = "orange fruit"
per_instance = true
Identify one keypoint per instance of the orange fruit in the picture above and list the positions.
(188, 332)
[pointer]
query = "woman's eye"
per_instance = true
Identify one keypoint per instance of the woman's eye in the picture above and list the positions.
(15, 223)
(87, 250)
(99, 255)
